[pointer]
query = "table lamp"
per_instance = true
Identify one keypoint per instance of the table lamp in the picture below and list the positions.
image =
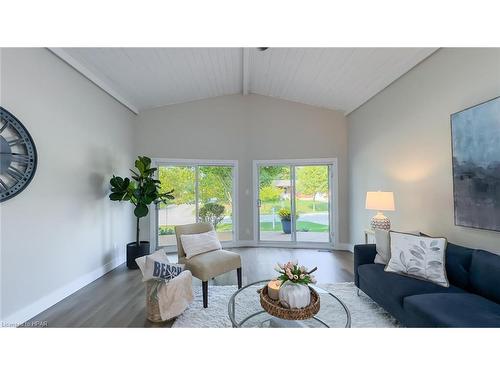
(380, 201)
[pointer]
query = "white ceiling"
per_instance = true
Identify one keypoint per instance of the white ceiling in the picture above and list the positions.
(334, 78)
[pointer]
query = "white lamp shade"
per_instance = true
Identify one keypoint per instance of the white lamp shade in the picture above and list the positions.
(380, 200)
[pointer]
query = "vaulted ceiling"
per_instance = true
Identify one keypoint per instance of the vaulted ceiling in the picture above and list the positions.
(335, 78)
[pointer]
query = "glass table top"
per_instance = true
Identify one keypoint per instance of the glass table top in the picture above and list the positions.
(245, 311)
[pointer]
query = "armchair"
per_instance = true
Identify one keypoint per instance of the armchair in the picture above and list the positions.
(207, 265)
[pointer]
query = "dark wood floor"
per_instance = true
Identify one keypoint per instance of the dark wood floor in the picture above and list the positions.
(117, 299)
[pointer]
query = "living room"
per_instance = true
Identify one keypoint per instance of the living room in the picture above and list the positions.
(220, 185)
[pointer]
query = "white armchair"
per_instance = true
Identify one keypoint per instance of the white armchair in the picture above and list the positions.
(207, 265)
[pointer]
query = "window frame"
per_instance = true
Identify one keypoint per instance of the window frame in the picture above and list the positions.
(196, 163)
(334, 201)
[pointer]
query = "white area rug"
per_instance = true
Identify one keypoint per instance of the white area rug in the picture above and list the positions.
(364, 312)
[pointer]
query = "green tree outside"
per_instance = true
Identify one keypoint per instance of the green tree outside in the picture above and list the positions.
(181, 180)
(312, 180)
(216, 182)
(270, 173)
(215, 185)
(269, 193)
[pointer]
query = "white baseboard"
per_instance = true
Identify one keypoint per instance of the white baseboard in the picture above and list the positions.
(346, 246)
(32, 310)
(245, 243)
(252, 243)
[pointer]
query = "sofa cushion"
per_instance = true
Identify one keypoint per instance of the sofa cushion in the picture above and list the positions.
(389, 289)
(458, 260)
(451, 310)
(418, 256)
(485, 275)
(213, 263)
(383, 244)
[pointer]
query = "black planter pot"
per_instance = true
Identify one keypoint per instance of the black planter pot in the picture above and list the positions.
(134, 252)
(287, 226)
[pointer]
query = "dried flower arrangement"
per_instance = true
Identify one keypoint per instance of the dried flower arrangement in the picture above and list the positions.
(294, 273)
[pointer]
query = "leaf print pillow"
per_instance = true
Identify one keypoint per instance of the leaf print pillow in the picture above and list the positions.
(419, 257)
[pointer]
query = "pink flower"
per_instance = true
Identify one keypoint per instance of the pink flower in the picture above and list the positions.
(302, 276)
(290, 277)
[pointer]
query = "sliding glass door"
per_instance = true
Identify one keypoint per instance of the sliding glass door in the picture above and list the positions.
(203, 193)
(294, 202)
(312, 203)
(275, 202)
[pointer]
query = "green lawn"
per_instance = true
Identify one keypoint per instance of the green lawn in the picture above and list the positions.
(169, 229)
(303, 206)
(225, 227)
(302, 226)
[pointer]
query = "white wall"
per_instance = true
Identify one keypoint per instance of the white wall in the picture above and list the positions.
(61, 231)
(246, 128)
(401, 141)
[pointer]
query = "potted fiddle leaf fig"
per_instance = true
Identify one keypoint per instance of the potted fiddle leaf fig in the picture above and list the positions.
(142, 190)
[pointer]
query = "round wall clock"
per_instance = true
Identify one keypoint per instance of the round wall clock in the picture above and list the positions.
(18, 156)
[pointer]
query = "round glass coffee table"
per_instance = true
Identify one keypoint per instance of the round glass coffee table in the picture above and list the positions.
(245, 311)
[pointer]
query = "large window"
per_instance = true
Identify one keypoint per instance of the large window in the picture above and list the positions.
(203, 192)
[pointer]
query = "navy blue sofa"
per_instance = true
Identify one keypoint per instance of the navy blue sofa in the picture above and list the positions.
(472, 300)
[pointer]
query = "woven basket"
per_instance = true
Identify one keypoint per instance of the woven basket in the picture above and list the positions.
(274, 308)
(152, 307)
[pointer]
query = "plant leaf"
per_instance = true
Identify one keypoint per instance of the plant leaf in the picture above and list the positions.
(145, 160)
(419, 249)
(402, 258)
(416, 254)
(417, 262)
(434, 263)
(141, 210)
(116, 196)
(414, 270)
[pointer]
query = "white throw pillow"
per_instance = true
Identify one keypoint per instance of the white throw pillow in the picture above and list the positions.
(419, 257)
(383, 245)
(157, 266)
(195, 244)
(158, 255)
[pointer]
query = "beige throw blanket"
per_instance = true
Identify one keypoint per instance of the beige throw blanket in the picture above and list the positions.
(175, 296)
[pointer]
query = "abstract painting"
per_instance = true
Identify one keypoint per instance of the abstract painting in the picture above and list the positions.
(476, 165)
